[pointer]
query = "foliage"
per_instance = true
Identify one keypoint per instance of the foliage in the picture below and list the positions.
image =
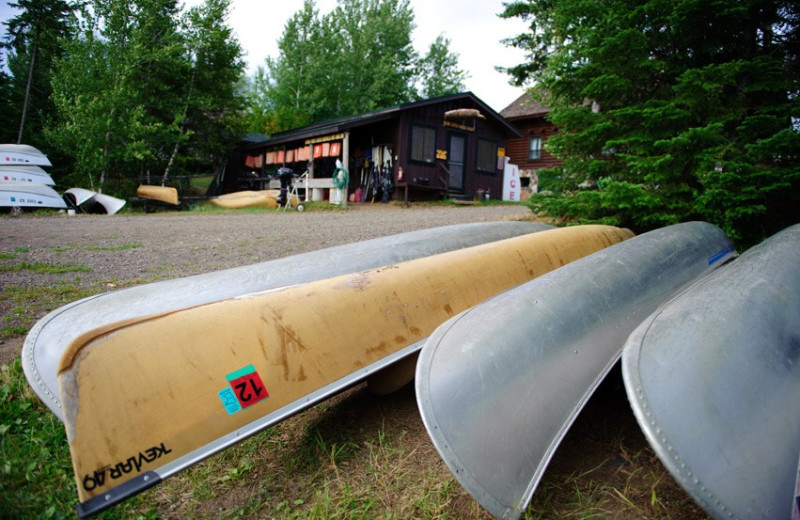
(140, 84)
(439, 72)
(668, 110)
(356, 59)
(32, 44)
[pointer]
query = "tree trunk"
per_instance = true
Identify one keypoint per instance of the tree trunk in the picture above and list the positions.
(27, 97)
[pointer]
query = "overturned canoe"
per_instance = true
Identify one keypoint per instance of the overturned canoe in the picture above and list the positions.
(22, 154)
(111, 205)
(32, 174)
(249, 199)
(713, 378)
(210, 375)
(92, 202)
(47, 340)
(29, 195)
(499, 385)
(166, 194)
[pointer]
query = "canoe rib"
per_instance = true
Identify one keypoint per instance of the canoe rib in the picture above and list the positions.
(714, 380)
(499, 385)
(287, 344)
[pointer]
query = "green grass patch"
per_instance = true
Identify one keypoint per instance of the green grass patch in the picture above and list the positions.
(46, 268)
(25, 304)
(36, 473)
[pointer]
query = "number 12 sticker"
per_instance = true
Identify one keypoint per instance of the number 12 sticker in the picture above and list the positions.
(246, 389)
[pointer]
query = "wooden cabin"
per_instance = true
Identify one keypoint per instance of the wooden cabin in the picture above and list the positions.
(451, 146)
(528, 150)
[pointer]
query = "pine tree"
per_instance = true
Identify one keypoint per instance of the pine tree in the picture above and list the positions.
(669, 110)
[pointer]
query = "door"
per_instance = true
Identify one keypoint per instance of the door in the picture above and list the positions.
(456, 161)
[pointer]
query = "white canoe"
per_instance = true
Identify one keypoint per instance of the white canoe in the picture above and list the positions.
(499, 385)
(29, 195)
(22, 155)
(713, 378)
(150, 396)
(92, 202)
(31, 174)
(47, 340)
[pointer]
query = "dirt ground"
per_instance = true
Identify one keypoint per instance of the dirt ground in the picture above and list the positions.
(605, 443)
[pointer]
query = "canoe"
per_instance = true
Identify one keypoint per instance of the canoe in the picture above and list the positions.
(111, 205)
(208, 376)
(499, 385)
(32, 174)
(77, 197)
(22, 154)
(29, 195)
(92, 202)
(48, 338)
(165, 194)
(714, 380)
(249, 199)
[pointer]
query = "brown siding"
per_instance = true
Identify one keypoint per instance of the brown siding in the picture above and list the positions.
(517, 149)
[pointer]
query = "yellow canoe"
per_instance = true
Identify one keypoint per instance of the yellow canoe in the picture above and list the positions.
(250, 199)
(148, 397)
(161, 193)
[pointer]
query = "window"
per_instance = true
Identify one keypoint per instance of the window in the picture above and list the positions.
(535, 148)
(423, 144)
(487, 156)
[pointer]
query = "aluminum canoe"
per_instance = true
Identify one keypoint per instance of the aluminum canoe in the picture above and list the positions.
(31, 174)
(47, 340)
(713, 378)
(147, 397)
(92, 202)
(21, 155)
(499, 385)
(29, 195)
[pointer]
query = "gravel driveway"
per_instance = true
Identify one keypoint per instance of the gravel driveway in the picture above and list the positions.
(122, 250)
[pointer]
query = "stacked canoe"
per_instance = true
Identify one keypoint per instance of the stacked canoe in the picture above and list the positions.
(23, 181)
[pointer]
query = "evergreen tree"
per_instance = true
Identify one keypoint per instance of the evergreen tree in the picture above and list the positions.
(32, 44)
(669, 110)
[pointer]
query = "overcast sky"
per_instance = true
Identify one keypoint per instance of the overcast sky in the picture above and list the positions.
(473, 27)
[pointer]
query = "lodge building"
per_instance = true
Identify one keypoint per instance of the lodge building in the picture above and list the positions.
(454, 146)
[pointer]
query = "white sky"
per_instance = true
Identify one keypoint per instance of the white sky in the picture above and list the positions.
(473, 27)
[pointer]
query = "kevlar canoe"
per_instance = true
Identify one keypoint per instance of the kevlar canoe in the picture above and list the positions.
(713, 378)
(499, 385)
(32, 174)
(48, 338)
(250, 199)
(190, 382)
(166, 194)
(22, 155)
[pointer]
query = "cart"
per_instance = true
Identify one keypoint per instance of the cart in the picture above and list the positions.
(298, 182)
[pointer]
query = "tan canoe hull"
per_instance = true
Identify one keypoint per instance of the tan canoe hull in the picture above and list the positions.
(164, 391)
(161, 193)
